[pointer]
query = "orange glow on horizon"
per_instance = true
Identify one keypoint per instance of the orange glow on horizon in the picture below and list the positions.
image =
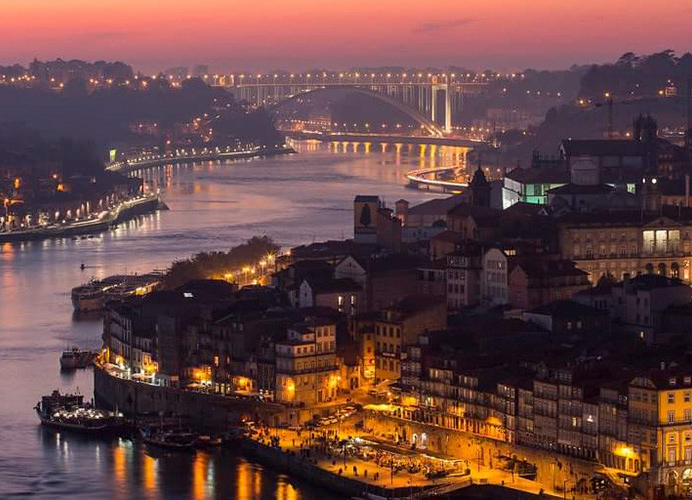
(307, 33)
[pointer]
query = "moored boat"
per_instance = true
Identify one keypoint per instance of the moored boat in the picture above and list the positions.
(93, 295)
(87, 298)
(208, 442)
(76, 358)
(69, 412)
(177, 441)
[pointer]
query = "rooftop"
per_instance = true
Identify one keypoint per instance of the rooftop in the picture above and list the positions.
(535, 268)
(334, 285)
(566, 308)
(539, 175)
(437, 206)
(576, 189)
(626, 217)
(650, 282)
(602, 147)
(414, 304)
(364, 198)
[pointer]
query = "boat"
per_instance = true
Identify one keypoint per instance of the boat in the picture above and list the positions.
(206, 441)
(170, 440)
(69, 412)
(93, 295)
(76, 358)
(87, 298)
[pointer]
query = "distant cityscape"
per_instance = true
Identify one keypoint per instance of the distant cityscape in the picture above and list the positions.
(524, 330)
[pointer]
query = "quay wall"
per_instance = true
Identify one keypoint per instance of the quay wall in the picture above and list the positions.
(297, 467)
(551, 468)
(127, 213)
(125, 167)
(209, 411)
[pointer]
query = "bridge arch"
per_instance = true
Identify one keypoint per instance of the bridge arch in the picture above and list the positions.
(430, 126)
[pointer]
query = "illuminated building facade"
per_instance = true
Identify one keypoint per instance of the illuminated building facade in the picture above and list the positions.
(306, 364)
(629, 242)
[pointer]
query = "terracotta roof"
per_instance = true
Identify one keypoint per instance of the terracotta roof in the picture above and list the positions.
(464, 209)
(549, 268)
(437, 206)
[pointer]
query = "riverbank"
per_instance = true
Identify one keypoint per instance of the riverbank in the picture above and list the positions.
(193, 155)
(216, 413)
(212, 208)
(350, 477)
(123, 212)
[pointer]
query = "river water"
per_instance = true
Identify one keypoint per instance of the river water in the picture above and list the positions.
(213, 206)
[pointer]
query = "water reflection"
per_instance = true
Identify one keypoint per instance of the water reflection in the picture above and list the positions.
(213, 206)
(149, 476)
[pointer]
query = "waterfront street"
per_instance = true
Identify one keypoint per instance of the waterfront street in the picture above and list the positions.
(312, 446)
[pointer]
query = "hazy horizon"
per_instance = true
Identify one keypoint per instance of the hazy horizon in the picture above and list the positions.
(305, 34)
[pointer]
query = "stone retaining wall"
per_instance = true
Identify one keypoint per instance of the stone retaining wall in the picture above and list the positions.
(205, 410)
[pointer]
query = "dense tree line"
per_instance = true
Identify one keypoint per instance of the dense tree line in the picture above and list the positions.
(207, 265)
(633, 80)
(24, 147)
(632, 74)
(105, 115)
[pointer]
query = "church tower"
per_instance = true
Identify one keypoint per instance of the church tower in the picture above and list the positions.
(480, 188)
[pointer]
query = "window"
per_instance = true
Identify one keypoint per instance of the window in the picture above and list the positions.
(671, 418)
(687, 397)
(687, 415)
(671, 398)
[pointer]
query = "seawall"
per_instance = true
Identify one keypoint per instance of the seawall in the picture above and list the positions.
(209, 411)
(124, 167)
(130, 211)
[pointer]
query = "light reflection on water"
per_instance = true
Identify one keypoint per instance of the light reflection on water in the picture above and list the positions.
(213, 206)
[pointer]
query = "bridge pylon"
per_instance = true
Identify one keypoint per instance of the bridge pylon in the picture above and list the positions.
(448, 105)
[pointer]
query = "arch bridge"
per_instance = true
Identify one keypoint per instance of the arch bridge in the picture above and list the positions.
(431, 103)
(423, 121)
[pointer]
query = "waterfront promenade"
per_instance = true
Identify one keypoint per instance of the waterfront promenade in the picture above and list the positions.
(321, 449)
(191, 155)
(97, 223)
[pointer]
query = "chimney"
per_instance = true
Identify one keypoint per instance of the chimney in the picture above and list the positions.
(663, 365)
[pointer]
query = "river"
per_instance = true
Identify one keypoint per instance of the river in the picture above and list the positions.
(213, 206)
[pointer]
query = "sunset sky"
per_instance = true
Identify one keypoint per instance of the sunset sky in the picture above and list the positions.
(298, 34)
